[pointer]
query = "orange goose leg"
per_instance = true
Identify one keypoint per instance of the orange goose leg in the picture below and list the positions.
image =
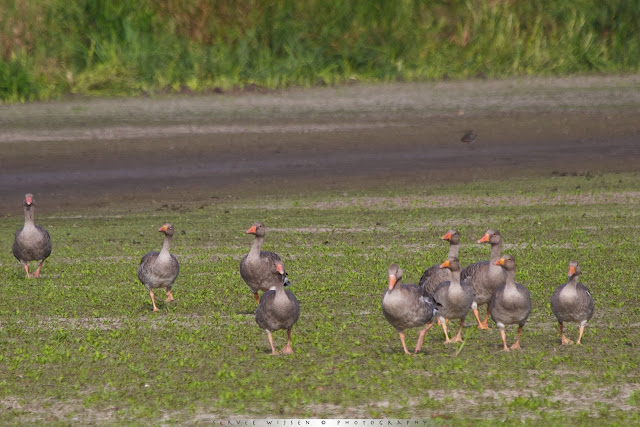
(169, 296)
(273, 349)
(36, 274)
(485, 322)
(421, 337)
(404, 345)
(504, 339)
(516, 345)
(458, 337)
(581, 332)
(153, 301)
(287, 349)
(481, 325)
(563, 338)
(255, 295)
(446, 334)
(26, 268)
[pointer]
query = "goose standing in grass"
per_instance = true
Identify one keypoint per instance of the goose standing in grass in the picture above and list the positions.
(255, 267)
(159, 269)
(407, 306)
(511, 302)
(572, 302)
(31, 242)
(453, 298)
(486, 276)
(278, 308)
(435, 275)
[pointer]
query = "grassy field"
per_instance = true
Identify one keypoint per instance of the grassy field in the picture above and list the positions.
(52, 48)
(81, 343)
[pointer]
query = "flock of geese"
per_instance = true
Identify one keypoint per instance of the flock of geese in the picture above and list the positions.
(445, 291)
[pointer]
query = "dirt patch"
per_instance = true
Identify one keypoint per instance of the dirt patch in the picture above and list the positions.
(204, 148)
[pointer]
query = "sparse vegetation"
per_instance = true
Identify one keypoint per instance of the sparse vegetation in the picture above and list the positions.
(81, 343)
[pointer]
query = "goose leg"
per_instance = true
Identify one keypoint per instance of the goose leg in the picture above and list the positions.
(444, 328)
(404, 345)
(458, 337)
(504, 339)
(26, 268)
(563, 338)
(421, 337)
(169, 296)
(255, 295)
(36, 274)
(485, 322)
(581, 332)
(287, 349)
(481, 325)
(153, 301)
(516, 345)
(273, 349)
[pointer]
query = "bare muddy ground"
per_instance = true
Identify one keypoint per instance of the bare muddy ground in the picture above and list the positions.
(80, 152)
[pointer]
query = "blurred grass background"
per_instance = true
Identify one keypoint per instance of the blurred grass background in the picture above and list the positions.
(50, 48)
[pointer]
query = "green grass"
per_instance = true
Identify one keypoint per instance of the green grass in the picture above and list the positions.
(81, 344)
(50, 48)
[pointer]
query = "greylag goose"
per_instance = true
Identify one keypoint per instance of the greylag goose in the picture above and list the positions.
(159, 269)
(407, 306)
(453, 298)
(486, 276)
(572, 302)
(278, 308)
(255, 267)
(435, 275)
(511, 302)
(31, 242)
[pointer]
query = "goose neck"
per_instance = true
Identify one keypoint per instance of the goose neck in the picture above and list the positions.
(256, 246)
(496, 250)
(510, 278)
(166, 244)
(28, 215)
(573, 281)
(454, 248)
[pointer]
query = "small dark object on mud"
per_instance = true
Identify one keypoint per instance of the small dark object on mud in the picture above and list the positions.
(469, 137)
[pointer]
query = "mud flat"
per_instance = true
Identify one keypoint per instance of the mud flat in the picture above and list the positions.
(352, 137)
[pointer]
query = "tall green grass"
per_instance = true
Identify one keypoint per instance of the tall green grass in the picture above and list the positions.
(49, 48)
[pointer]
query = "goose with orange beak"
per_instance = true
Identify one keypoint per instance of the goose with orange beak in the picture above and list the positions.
(486, 276)
(278, 309)
(511, 302)
(31, 242)
(572, 302)
(407, 306)
(435, 275)
(453, 299)
(255, 267)
(159, 269)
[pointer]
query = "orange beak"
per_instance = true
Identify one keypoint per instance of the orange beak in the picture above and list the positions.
(484, 238)
(163, 228)
(280, 268)
(446, 236)
(252, 230)
(445, 264)
(500, 261)
(572, 270)
(392, 282)
(29, 200)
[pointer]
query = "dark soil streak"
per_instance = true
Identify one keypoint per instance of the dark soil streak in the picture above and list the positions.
(139, 156)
